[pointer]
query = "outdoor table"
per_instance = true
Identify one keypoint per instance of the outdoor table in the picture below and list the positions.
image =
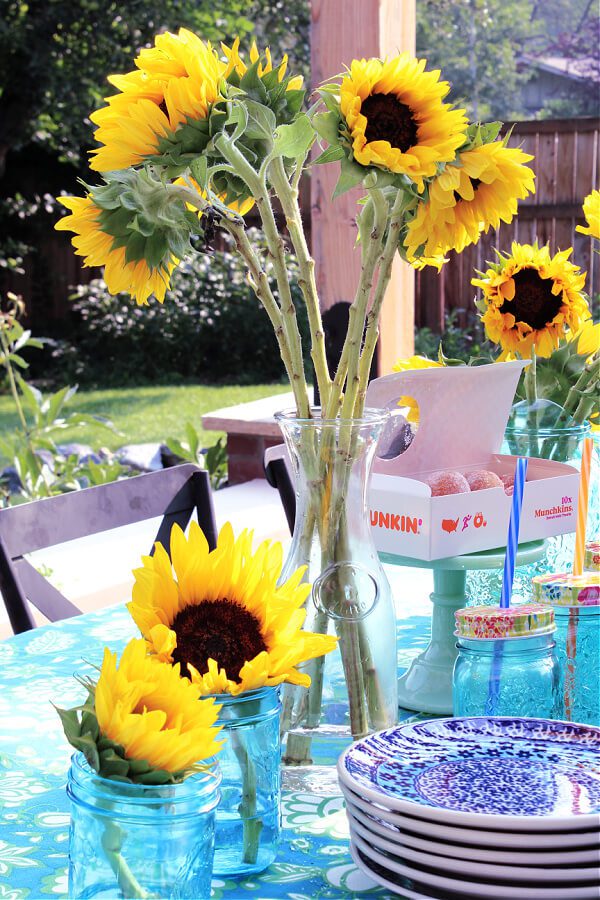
(37, 668)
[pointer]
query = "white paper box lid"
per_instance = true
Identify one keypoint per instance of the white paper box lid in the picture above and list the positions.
(463, 413)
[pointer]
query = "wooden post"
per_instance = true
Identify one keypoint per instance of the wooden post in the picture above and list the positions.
(342, 30)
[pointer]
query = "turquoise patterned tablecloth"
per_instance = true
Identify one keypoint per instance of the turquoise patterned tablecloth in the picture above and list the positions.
(37, 668)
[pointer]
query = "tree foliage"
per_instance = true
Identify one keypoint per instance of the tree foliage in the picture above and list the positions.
(55, 56)
(485, 49)
(476, 43)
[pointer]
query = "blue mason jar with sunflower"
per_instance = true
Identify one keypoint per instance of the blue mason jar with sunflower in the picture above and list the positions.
(237, 634)
(143, 785)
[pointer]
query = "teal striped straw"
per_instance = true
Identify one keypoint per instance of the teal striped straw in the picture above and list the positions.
(508, 576)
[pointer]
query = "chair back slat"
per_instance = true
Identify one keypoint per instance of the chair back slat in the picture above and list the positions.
(48, 599)
(19, 614)
(172, 494)
(66, 517)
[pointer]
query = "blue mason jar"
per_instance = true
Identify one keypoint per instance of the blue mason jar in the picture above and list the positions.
(140, 840)
(575, 600)
(506, 664)
(248, 816)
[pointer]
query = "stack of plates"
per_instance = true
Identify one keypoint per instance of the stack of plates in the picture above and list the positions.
(477, 807)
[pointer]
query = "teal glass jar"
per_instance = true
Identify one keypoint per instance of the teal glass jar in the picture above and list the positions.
(506, 664)
(248, 822)
(140, 840)
(575, 600)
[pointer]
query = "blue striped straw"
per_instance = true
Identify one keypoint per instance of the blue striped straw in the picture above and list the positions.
(508, 576)
(513, 532)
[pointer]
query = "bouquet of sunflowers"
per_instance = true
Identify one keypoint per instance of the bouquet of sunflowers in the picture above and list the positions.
(193, 137)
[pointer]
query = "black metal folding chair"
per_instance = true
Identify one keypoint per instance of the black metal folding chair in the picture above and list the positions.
(278, 475)
(173, 493)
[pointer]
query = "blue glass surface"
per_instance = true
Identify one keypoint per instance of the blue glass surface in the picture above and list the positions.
(248, 816)
(580, 668)
(137, 840)
(512, 677)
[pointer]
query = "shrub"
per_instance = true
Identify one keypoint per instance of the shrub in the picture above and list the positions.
(211, 328)
(458, 341)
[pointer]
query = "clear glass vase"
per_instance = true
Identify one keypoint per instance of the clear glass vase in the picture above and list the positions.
(141, 840)
(543, 430)
(248, 817)
(353, 689)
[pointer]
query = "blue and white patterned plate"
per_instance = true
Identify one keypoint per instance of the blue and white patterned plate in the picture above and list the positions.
(503, 773)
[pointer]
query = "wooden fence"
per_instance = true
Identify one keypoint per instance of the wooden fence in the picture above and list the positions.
(566, 167)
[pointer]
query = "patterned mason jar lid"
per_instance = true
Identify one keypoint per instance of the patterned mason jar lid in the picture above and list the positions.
(567, 589)
(490, 622)
(592, 556)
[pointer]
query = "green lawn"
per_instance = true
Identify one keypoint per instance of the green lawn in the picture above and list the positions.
(142, 414)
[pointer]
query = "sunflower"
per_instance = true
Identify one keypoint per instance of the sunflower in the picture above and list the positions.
(407, 365)
(588, 338)
(162, 107)
(142, 722)
(222, 615)
(530, 299)
(591, 209)
(235, 63)
(153, 713)
(396, 119)
(479, 191)
(97, 241)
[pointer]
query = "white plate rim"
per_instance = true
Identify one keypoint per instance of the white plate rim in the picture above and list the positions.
(474, 868)
(496, 891)
(470, 853)
(406, 892)
(453, 833)
(493, 820)
(379, 880)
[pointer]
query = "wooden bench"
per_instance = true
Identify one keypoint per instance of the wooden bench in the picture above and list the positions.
(251, 429)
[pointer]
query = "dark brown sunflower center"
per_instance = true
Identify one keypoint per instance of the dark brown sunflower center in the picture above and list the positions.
(534, 303)
(217, 629)
(388, 119)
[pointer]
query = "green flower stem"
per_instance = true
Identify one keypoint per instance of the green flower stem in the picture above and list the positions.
(384, 275)
(348, 364)
(288, 197)
(259, 191)
(19, 407)
(112, 842)
(251, 825)
(260, 285)
(531, 393)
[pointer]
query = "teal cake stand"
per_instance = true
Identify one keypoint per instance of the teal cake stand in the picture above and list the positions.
(427, 684)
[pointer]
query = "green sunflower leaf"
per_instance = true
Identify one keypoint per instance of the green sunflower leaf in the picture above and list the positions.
(261, 122)
(332, 154)
(111, 764)
(351, 175)
(327, 124)
(295, 140)
(156, 249)
(199, 169)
